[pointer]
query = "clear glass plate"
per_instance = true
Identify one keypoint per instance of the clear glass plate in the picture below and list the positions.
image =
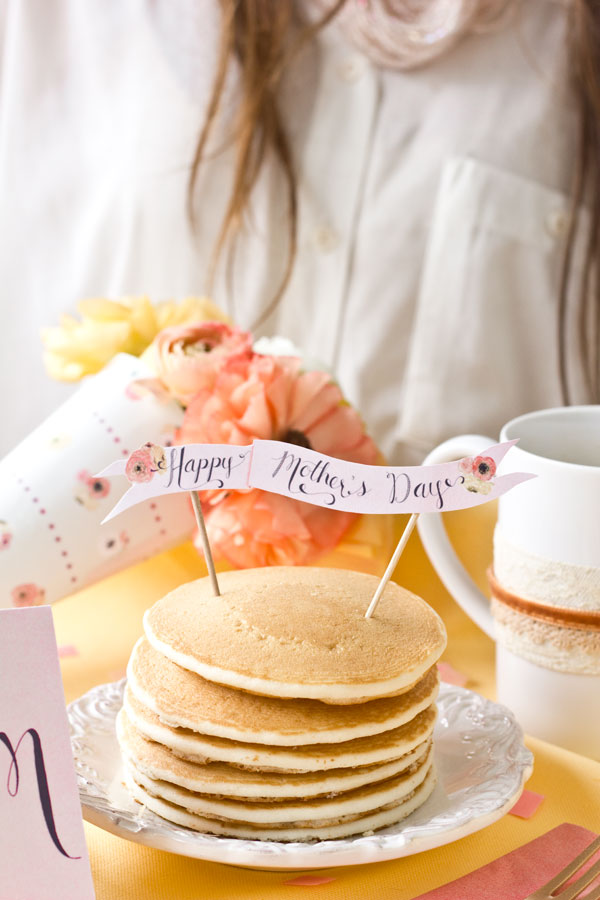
(481, 761)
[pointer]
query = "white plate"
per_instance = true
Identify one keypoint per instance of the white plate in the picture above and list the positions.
(481, 761)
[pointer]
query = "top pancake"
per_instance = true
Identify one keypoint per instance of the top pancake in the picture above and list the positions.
(299, 632)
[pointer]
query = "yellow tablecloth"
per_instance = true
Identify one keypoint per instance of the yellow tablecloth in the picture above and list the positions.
(103, 623)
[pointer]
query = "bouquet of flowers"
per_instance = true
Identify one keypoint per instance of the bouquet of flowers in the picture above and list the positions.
(197, 379)
(232, 394)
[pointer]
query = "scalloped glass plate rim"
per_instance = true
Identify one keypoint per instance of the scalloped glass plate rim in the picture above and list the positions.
(480, 756)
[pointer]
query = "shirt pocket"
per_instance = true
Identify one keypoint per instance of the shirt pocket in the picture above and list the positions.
(484, 344)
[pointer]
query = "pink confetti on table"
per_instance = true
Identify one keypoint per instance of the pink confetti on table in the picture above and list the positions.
(67, 650)
(526, 805)
(451, 675)
(309, 880)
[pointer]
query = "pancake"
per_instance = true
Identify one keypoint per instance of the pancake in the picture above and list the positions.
(220, 779)
(299, 632)
(350, 826)
(302, 813)
(378, 748)
(184, 699)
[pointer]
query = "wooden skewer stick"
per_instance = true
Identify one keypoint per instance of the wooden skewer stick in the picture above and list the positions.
(205, 544)
(392, 564)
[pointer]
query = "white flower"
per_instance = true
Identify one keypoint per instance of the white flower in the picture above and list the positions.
(282, 346)
(476, 486)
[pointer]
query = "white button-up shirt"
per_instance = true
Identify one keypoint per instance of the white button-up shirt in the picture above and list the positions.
(432, 206)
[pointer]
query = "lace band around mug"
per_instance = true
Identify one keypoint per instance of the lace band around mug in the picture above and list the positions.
(586, 620)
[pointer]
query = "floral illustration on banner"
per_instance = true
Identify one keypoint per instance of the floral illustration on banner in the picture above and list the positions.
(5, 535)
(113, 544)
(144, 463)
(157, 453)
(90, 489)
(140, 467)
(28, 595)
(478, 472)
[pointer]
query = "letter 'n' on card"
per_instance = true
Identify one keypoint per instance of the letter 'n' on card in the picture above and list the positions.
(43, 854)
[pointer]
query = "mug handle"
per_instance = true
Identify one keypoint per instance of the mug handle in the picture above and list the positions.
(433, 535)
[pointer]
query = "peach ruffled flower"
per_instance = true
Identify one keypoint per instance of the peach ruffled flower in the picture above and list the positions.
(256, 528)
(271, 398)
(81, 347)
(187, 358)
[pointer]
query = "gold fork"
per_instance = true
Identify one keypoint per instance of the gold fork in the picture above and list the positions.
(547, 891)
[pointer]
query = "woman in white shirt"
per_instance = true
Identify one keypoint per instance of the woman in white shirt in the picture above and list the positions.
(390, 190)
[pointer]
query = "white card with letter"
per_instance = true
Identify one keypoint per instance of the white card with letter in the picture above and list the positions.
(43, 854)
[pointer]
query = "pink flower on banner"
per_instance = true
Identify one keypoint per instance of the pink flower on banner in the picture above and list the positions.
(28, 595)
(140, 467)
(271, 398)
(466, 465)
(484, 467)
(187, 358)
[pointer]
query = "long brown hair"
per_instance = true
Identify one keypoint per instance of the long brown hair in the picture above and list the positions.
(264, 36)
(584, 56)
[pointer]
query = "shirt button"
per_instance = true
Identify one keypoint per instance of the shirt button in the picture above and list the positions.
(351, 68)
(557, 222)
(325, 238)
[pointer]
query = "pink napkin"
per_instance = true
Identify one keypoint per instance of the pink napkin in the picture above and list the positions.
(519, 873)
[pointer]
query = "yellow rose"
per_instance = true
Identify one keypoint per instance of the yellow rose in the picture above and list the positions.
(107, 327)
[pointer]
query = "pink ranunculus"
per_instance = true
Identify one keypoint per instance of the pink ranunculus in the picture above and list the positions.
(484, 467)
(28, 595)
(271, 398)
(139, 467)
(187, 358)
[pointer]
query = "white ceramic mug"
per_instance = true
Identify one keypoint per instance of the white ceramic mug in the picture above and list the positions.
(546, 573)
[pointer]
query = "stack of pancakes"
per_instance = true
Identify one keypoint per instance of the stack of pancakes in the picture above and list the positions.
(277, 711)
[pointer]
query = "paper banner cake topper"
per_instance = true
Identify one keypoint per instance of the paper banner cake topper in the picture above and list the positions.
(153, 471)
(312, 477)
